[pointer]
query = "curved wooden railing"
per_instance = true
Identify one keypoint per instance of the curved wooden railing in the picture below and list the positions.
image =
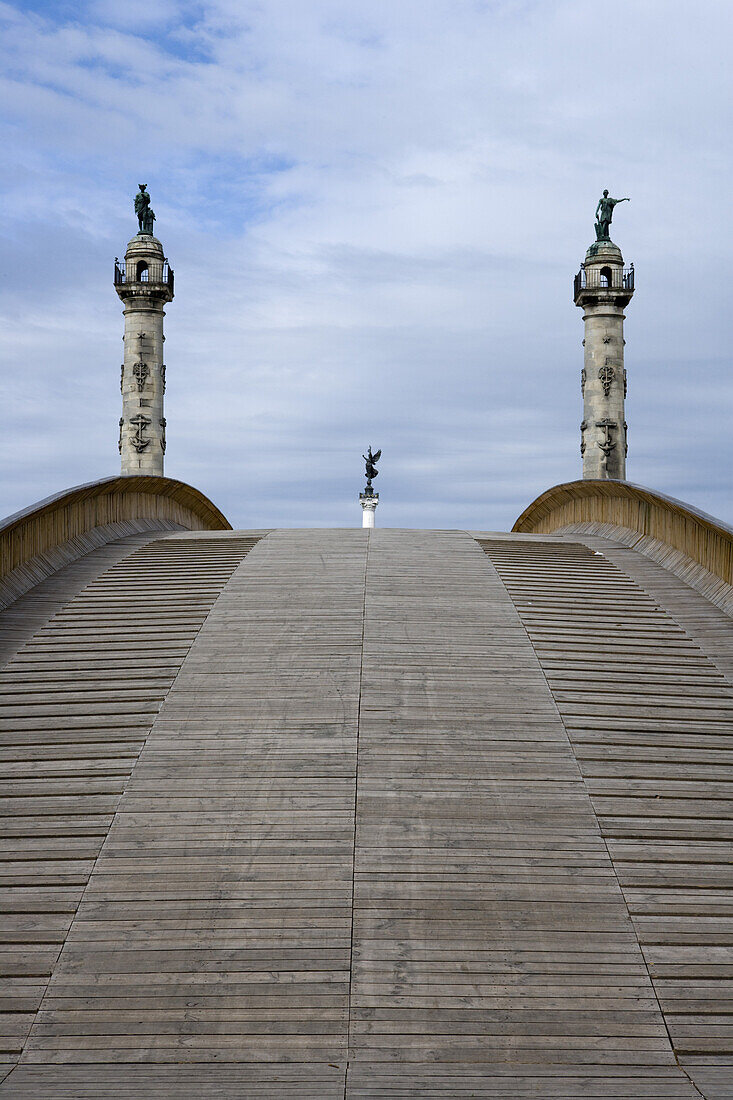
(688, 542)
(39, 540)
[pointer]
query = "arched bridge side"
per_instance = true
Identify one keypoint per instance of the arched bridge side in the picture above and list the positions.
(694, 546)
(39, 540)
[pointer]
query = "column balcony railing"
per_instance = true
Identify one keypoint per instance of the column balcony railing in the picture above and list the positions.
(612, 278)
(156, 274)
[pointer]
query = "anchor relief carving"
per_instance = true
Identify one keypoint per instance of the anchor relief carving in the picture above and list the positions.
(141, 423)
(607, 444)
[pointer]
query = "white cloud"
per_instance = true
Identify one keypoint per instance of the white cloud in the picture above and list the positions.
(374, 211)
(136, 16)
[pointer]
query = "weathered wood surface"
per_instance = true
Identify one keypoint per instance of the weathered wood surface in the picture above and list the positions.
(27, 614)
(216, 924)
(689, 543)
(648, 707)
(76, 703)
(709, 625)
(493, 954)
(39, 540)
(356, 835)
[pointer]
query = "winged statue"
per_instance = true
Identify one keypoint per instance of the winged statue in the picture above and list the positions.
(371, 469)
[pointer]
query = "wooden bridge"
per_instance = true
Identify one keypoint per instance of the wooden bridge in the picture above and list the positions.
(351, 813)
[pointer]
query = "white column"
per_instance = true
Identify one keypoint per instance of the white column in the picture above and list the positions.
(369, 502)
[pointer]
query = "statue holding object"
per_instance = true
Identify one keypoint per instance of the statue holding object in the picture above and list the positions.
(604, 213)
(145, 215)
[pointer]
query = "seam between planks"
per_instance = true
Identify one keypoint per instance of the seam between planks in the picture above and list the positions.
(356, 799)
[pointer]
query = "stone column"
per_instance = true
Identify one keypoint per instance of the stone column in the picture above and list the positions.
(603, 288)
(144, 283)
(369, 502)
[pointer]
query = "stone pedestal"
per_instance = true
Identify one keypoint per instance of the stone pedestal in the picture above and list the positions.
(603, 288)
(144, 283)
(369, 502)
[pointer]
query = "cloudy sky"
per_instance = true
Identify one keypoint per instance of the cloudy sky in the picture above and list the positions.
(374, 209)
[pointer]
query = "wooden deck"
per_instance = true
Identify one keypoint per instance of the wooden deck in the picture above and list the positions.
(352, 814)
(76, 703)
(648, 706)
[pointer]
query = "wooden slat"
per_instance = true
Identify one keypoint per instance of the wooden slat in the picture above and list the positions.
(489, 927)
(688, 543)
(68, 748)
(355, 856)
(651, 730)
(27, 614)
(39, 540)
(216, 923)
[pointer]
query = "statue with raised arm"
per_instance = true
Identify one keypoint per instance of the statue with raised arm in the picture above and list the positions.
(145, 215)
(604, 213)
(371, 469)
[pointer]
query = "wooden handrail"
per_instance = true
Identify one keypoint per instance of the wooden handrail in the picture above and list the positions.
(655, 524)
(37, 540)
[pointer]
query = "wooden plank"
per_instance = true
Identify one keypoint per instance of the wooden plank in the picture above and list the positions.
(259, 733)
(356, 830)
(439, 927)
(651, 738)
(68, 747)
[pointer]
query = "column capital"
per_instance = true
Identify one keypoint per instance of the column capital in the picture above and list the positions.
(369, 502)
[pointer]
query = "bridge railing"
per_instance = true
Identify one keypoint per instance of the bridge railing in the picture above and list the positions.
(688, 542)
(41, 539)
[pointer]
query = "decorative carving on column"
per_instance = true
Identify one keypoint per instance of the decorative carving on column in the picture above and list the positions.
(607, 444)
(606, 375)
(141, 372)
(141, 423)
(119, 441)
(162, 438)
